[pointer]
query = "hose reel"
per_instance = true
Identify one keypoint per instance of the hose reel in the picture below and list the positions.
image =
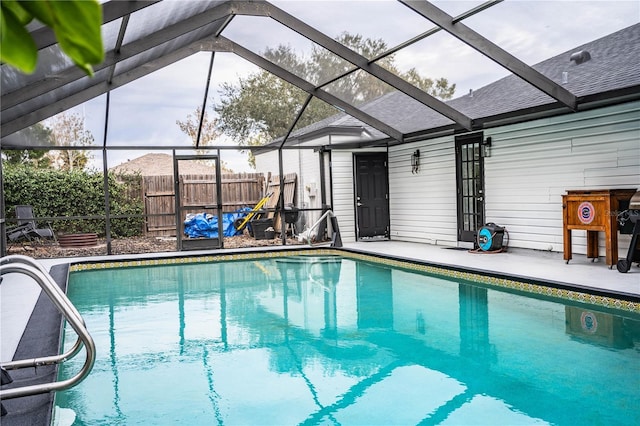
(491, 237)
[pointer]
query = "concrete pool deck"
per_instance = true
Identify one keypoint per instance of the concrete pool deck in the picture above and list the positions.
(18, 296)
(522, 263)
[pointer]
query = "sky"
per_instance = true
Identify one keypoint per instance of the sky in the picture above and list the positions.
(145, 111)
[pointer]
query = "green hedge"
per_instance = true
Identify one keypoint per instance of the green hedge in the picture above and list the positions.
(55, 193)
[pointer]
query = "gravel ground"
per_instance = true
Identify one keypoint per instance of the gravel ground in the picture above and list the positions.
(133, 245)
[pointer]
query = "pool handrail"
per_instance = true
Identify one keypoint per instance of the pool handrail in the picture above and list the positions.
(336, 240)
(32, 262)
(71, 315)
(53, 359)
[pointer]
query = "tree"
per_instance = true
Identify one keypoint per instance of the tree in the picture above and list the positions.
(67, 130)
(439, 88)
(208, 134)
(261, 107)
(76, 24)
(37, 135)
(190, 127)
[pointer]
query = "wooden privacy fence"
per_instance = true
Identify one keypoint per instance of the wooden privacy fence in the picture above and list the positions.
(237, 191)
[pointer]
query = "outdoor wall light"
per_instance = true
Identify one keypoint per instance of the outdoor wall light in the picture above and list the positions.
(486, 147)
(415, 161)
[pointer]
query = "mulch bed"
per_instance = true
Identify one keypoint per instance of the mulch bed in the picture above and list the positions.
(132, 245)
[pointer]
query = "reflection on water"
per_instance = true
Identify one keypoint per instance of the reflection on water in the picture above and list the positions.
(324, 340)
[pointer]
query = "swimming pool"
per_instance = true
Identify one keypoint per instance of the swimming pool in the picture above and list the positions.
(344, 340)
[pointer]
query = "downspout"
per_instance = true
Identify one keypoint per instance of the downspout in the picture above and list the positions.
(283, 231)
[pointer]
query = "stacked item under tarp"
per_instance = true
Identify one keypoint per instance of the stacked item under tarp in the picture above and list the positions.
(204, 225)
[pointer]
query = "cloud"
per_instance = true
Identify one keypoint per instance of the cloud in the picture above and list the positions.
(390, 21)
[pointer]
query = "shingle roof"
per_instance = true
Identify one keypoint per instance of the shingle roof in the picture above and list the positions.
(160, 165)
(614, 65)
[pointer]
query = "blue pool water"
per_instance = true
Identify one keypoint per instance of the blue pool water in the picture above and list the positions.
(323, 340)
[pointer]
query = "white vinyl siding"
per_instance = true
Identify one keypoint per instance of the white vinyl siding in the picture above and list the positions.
(423, 205)
(343, 195)
(531, 165)
(309, 194)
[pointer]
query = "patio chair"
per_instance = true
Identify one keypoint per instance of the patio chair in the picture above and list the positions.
(27, 227)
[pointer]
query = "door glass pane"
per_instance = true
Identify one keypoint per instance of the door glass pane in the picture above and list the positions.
(470, 195)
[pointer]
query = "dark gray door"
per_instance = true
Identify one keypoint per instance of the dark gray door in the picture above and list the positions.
(470, 186)
(372, 195)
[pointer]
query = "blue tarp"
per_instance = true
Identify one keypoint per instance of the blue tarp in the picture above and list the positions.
(205, 225)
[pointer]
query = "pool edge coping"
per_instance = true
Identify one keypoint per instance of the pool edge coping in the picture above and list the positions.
(534, 286)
